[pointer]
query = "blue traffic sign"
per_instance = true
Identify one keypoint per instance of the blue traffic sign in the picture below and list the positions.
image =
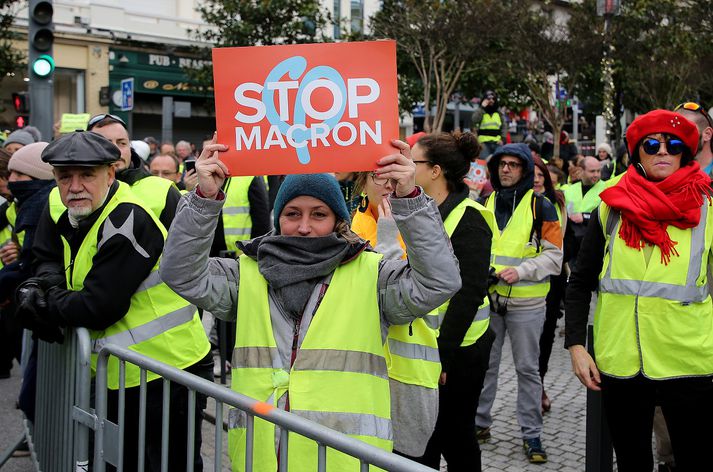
(127, 94)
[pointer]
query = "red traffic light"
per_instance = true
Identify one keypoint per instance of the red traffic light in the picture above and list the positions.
(21, 102)
(20, 121)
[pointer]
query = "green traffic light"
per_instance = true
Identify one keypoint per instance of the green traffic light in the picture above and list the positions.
(43, 65)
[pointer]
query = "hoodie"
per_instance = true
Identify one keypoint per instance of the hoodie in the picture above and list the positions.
(549, 261)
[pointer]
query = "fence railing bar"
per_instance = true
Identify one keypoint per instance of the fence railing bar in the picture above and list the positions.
(321, 458)
(218, 460)
(249, 442)
(165, 423)
(284, 446)
(190, 450)
(122, 413)
(142, 421)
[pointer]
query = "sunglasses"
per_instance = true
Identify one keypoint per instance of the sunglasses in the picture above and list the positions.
(696, 107)
(652, 146)
(96, 119)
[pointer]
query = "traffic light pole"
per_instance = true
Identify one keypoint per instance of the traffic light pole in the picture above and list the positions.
(41, 66)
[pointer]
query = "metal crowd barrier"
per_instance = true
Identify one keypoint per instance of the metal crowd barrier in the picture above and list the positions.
(55, 441)
(59, 440)
(109, 440)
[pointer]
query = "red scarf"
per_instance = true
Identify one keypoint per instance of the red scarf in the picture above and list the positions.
(647, 208)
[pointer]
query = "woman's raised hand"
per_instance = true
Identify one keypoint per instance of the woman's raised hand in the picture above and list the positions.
(211, 171)
(399, 168)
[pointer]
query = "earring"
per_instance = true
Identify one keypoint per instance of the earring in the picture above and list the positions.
(641, 168)
(363, 203)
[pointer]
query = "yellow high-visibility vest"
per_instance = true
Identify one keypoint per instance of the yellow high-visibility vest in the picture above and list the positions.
(338, 378)
(512, 246)
(655, 318)
(159, 324)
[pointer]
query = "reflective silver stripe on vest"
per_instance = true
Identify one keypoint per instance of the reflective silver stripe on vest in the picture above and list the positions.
(483, 313)
(413, 351)
(236, 210)
(689, 293)
(237, 231)
(507, 261)
(148, 330)
(357, 424)
(151, 281)
(342, 361)
(433, 321)
(525, 283)
(256, 358)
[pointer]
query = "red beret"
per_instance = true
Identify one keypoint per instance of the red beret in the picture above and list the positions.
(413, 139)
(662, 121)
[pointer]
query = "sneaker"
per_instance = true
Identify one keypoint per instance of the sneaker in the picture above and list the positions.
(534, 451)
(482, 434)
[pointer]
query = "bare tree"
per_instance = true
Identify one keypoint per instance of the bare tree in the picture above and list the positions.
(439, 38)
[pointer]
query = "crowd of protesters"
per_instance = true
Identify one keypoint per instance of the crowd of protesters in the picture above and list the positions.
(377, 303)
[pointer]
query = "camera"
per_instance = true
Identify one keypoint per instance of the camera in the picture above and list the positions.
(492, 278)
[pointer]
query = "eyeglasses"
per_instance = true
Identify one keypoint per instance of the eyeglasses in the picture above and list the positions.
(509, 164)
(652, 146)
(380, 181)
(96, 119)
(421, 162)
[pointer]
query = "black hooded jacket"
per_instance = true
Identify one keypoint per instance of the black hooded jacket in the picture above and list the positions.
(507, 198)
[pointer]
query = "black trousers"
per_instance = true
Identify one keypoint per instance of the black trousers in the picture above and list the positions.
(553, 311)
(177, 426)
(454, 435)
(687, 405)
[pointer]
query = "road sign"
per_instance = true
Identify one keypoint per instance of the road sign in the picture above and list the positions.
(127, 94)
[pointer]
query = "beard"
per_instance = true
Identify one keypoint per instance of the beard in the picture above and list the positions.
(79, 212)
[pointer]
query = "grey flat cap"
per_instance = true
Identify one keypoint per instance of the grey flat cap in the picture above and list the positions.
(81, 148)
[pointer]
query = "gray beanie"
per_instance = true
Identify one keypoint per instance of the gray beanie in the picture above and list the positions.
(19, 136)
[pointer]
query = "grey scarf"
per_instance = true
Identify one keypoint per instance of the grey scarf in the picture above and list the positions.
(293, 265)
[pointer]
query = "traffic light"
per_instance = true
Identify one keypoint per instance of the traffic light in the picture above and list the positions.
(21, 102)
(41, 38)
(41, 65)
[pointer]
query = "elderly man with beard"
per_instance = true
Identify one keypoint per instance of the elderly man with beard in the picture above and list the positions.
(110, 243)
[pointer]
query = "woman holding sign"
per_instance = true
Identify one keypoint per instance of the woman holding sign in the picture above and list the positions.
(311, 303)
(464, 338)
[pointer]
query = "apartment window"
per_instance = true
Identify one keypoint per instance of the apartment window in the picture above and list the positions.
(357, 16)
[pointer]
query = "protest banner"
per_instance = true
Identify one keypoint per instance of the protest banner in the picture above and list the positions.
(306, 108)
(71, 122)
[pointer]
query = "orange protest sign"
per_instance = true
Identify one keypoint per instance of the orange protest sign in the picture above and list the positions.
(306, 108)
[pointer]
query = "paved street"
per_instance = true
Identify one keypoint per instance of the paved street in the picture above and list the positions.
(563, 435)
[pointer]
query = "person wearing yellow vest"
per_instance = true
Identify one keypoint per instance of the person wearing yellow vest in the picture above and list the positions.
(490, 124)
(411, 350)
(160, 195)
(582, 198)
(526, 251)
(308, 288)
(648, 252)
(98, 255)
(464, 338)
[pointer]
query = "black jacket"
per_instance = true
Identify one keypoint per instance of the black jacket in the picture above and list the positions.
(117, 271)
(471, 241)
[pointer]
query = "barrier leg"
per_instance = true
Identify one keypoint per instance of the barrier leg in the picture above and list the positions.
(8, 453)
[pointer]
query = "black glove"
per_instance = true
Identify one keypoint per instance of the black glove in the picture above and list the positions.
(32, 312)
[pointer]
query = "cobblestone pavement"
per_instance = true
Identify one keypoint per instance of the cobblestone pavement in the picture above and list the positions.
(563, 437)
(564, 426)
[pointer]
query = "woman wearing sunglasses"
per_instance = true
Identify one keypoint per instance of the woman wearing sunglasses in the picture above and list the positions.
(647, 251)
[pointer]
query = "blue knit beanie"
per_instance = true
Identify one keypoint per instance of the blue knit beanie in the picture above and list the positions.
(323, 187)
